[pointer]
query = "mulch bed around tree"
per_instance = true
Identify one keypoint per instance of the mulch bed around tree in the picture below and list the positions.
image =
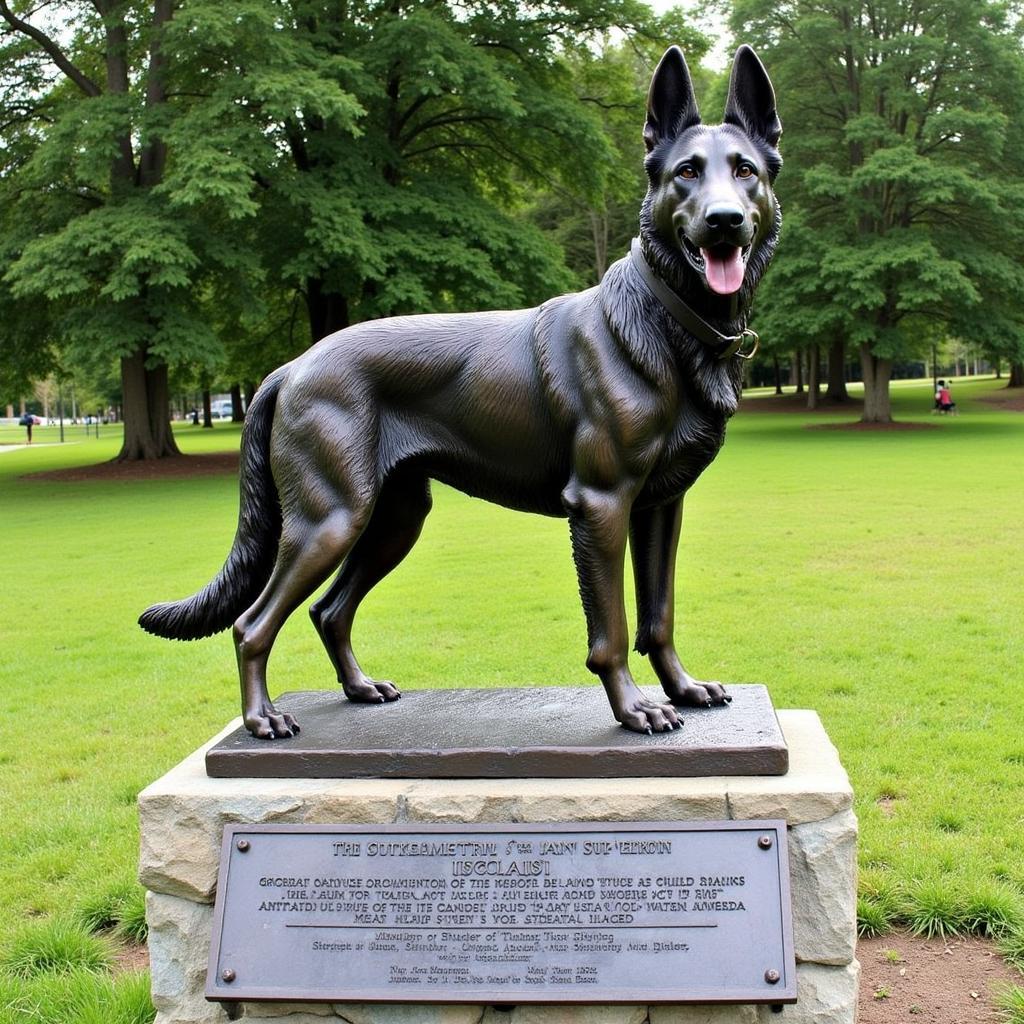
(933, 981)
(792, 402)
(798, 403)
(857, 425)
(180, 467)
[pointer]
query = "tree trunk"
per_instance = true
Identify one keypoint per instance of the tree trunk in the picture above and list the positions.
(147, 415)
(798, 367)
(877, 373)
(999, 369)
(1016, 375)
(599, 233)
(207, 410)
(836, 390)
(250, 393)
(237, 415)
(328, 311)
(778, 375)
(813, 376)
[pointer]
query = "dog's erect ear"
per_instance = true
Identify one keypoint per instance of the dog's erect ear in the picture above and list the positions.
(671, 105)
(751, 102)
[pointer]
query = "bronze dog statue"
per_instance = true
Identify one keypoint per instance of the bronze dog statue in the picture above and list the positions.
(602, 406)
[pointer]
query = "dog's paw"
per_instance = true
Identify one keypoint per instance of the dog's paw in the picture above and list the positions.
(370, 691)
(268, 723)
(701, 695)
(646, 716)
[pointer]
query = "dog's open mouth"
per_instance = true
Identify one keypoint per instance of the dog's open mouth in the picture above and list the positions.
(723, 265)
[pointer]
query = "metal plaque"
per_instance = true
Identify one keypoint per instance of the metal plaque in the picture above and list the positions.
(669, 912)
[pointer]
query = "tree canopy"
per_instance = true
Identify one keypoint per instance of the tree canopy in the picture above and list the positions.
(186, 184)
(902, 192)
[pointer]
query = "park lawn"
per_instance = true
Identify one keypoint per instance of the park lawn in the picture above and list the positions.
(870, 576)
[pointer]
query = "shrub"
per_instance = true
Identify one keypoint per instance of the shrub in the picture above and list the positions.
(54, 947)
(132, 925)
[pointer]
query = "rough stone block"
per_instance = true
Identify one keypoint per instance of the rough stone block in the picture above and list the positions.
(827, 995)
(462, 800)
(294, 1013)
(183, 815)
(622, 799)
(375, 1013)
(179, 947)
(705, 1015)
(815, 787)
(823, 873)
(567, 1015)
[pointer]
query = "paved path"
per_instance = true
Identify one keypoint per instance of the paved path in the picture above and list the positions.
(38, 444)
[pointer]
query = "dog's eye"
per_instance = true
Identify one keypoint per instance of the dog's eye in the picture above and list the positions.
(745, 171)
(687, 171)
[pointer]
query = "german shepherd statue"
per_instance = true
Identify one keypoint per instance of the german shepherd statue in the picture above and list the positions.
(602, 406)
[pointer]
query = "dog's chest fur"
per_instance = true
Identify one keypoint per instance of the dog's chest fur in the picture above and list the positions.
(699, 392)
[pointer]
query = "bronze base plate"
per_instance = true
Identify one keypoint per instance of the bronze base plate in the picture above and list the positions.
(555, 732)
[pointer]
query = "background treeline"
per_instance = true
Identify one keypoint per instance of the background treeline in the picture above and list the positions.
(191, 192)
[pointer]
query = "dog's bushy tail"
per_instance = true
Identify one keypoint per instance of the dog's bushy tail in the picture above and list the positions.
(252, 555)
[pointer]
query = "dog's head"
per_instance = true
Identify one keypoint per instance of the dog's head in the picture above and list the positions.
(710, 219)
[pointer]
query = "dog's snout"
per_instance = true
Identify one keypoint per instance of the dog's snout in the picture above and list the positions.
(723, 215)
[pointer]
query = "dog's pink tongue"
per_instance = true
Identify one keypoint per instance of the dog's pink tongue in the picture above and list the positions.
(724, 269)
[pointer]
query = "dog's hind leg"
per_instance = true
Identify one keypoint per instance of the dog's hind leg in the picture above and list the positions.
(598, 521)
(653, 541)
(389, 536)
(309, 551)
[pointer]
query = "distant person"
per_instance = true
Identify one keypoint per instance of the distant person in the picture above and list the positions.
(195, 416)
(28, 421)
(945, 399)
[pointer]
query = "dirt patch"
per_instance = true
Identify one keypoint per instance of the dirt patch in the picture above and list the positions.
(131, 958)
(1011, 399)
(906, 978)
(898, 425)
(798, 403)
(178, 467)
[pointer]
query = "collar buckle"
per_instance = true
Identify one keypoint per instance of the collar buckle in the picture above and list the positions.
(755, 344)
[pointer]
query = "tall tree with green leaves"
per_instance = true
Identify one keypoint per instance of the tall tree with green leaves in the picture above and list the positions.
(471, 109)
(594, 227)
(185, 171)
(902, 195)
(125, 171)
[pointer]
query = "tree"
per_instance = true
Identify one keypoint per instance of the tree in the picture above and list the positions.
(172, 170)
(901, 206)
(470, 110)
(124, 173)
(594, 227)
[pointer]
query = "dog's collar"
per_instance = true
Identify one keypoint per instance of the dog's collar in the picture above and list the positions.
(723, 345)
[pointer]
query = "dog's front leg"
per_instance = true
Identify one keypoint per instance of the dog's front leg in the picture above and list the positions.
(598, 523)
(653, 541)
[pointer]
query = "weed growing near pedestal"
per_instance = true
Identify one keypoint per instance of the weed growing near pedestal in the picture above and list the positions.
(870, 576)
(1011, 1004)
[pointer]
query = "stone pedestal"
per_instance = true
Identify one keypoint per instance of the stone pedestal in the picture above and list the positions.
(183, 815)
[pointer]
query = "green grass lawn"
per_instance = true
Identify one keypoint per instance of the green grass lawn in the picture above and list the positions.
(871, 576)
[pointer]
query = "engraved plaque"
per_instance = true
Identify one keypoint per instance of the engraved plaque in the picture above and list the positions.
(671, 912)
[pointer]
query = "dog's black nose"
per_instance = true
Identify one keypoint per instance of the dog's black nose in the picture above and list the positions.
(723, 215)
